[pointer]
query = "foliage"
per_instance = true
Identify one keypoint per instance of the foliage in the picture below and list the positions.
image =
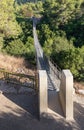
(18, 48)
(61, 33)
(16, 37)
(70, 59)
(8, 24)
(30, 9)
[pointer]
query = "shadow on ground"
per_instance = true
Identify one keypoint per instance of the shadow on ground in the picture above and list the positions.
(24, 121)
(17, 113)
(79, 115)
(28, 102)
(54, 102)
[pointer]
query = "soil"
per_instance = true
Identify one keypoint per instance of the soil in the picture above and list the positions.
(16, 65)
(19, 112)
(79, 88)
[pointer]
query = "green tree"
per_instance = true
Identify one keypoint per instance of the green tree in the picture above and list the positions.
(61, 33)
(16, 48)
(8, 25)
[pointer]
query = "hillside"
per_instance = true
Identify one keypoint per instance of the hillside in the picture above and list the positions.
(61, 33)
(16, 65)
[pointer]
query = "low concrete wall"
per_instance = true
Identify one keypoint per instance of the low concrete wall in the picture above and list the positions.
(66, 91)
(43, 96)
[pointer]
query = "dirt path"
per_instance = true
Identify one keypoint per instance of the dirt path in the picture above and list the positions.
(18, 112)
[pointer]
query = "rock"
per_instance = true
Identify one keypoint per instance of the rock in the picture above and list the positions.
(81, 91)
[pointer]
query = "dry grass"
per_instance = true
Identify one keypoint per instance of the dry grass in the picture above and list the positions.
(14, 64)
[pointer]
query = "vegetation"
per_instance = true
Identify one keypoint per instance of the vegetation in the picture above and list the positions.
(31, 9)
(61, 33)
(16, 37)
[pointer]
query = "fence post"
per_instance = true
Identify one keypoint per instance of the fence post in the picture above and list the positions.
(43, 103)
(66, 91)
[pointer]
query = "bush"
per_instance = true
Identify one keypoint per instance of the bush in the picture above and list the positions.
(16, 48)
(70, 59)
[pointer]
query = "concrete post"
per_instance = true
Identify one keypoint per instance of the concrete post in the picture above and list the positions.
(43, 98)
(66, 91)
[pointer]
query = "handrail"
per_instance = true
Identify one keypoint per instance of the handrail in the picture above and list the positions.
(45, 63)
(16, 74)
(50, 62)
(30, 83)
(53, 66)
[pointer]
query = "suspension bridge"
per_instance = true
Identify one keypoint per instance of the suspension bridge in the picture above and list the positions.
(53, 74)
(43, 63)
(50, 83)
(59, 83)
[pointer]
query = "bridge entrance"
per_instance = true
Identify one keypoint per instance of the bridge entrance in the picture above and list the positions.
(58, 84)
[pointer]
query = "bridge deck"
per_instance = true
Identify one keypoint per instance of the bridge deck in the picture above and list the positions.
(53, 90)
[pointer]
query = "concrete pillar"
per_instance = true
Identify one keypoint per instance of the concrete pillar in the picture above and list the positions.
(66, 91)
(43, 97)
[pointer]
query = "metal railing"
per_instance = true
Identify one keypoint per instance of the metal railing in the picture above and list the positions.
(19, 79)
(56, 70)
(54, 73)
(51, 68)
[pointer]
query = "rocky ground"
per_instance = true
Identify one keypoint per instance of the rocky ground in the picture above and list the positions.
(79, 88)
